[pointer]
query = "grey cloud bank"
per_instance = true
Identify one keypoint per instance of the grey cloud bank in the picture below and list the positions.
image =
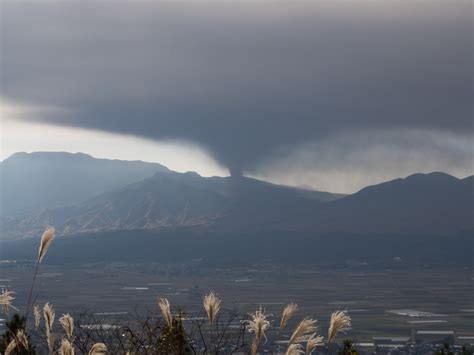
(249, 81)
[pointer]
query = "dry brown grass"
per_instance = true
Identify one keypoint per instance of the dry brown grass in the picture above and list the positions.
(294, 349)
(37, 314)
(67, 323)
(258, 325)
(287, 313)
(212, 305)
(46, 240)
(66, 347)
(165, 309)
(340, 322)
(313, 341)
(22, 339)
(98, 349)
(303, 330)
(11, 346)
(6, 299)
(48, 314)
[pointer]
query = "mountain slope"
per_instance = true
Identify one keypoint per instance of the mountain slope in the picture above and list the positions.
(434, 203)
(170, 199)
(29, 182)
(421, 204)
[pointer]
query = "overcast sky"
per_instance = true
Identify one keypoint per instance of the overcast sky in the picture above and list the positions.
(330, 94)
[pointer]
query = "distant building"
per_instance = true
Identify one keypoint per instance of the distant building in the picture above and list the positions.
(390, 342)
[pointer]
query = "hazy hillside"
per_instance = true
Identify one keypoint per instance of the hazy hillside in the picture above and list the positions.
(33, 181)
(421, 204)
(435, 203)
(170, 199)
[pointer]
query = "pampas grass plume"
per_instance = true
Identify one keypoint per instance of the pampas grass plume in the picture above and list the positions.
(259, 324)
(165, 308)
(340, 322)
(48, 313)
(313, 341)
(6, 299)
(22, 339)
(212, 305)
(67, 322)
(287, 313)
(66, 347)
(98, 349)
(46, 240)
(302, 330)
(294, 349)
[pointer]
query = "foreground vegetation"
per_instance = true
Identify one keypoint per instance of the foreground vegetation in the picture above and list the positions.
(162, 334)
(167, 330)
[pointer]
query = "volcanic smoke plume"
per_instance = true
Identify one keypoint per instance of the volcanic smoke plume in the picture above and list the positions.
(246, 80)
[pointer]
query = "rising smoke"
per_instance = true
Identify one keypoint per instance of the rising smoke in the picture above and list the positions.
(245, 80)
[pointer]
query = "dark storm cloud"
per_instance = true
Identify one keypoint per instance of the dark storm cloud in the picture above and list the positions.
(245, 80)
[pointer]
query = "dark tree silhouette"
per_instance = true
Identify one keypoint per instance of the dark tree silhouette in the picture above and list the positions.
(13, 325)
(348, 348)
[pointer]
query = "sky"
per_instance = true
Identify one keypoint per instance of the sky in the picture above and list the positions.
(334, 95)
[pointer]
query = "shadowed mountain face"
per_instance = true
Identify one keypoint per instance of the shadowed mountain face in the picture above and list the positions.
(434, 203)
(170, 199)
(423, 204)
(45, 180)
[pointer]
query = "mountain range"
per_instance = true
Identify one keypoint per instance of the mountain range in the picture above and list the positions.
(81, 195)
(41, 180)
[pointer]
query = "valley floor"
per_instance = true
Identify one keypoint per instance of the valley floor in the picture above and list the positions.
(388, 303)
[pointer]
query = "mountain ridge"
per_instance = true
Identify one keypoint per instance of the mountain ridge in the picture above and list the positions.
(34, 181)
(434, 203)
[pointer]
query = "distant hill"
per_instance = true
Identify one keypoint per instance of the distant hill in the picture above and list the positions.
(434, 203)
(43, 180)
(170, 199)
(421, 204)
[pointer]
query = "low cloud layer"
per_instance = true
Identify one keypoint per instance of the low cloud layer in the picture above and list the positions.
(349, 162)
(248, 81)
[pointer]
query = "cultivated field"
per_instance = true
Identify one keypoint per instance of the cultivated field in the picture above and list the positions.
(381, 303)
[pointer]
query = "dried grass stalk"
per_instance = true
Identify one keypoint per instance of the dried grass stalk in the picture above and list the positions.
(165, 308)
(48, 313)
(287, 313)
(294, 349)
(303, 330)
(6, 299)
(313, 341)
(37, 314)
(212, 305)
(66, 347)
(67, 323)
(50, 341)
(258, 324)
(98, 349)
(22, 339)
(254, 347)
(340, 322)
(11, 346)
(46, 240)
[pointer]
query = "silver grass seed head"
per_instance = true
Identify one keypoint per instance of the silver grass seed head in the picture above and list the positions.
(46, 240)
